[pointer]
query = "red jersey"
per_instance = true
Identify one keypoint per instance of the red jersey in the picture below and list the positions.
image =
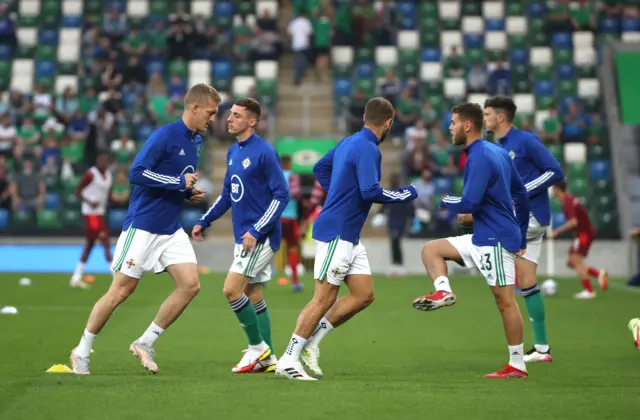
(573, 208)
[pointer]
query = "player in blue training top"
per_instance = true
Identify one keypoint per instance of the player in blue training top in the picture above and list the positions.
(256, 191)
(539, 170)
(492, 191)
(350, 173)
(163, 175)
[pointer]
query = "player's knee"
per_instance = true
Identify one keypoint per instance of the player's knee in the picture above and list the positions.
(325, 300)
(570, 263)
(506, 302)
(430, 251)
(231, 293)
(191, 288)
(366, 299)
(118, 294)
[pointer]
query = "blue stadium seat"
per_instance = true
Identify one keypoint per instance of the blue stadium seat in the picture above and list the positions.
(431, 55)
(222, 8)
(48, 37)
(599, 170)
(609, 25)
(442, 185)
(152, 20)
(156, 66)
(365, 70)
(221, 70)
(189, 218)
(565, 72)
(519, 57)
(473, 41)
(562, 41)
(494, 24)
(5, 53)
(69, 21)
(544, 88)
(536, 10)
(52, 201)
(407, 15)
(45, 69)
(4, 219)
(630, 24)
(557, 219)
(121, 5)
(115, 219)
(342, 87)
(143, 131)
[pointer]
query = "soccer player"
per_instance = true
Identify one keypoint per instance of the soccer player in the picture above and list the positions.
(492, 190)
(163, 175)
(578, 221)
(256, 191)
(539, 170)
(94, 190)
(289, 220)
(350, 173)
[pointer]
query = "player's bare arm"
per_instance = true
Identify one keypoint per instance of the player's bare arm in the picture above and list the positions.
(465, 219)
(567, 227)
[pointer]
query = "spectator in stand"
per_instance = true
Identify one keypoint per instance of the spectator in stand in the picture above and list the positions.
(322, 33)
(442, 156)
(300, 31)
(356, 111)
(551, 126)
(266, 22)
(387, 25)
(477, 79)
(596, 129)
(407, 112)
(390, 88)
(134, 44)
(121, 189)
(417, 133)
(29, 136)
(66, 105)
(424, 203)
(28, 189)
(134, 71)
(157, 39)
(574, 129)
(114, 25)
(5, 189)
(430, 116)
(398, 216)
(454, 63)
(500, 80)
(8, 135)
(7, 28)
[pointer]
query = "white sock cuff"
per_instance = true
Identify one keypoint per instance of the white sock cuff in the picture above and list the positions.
(327, 324)
(89, 334)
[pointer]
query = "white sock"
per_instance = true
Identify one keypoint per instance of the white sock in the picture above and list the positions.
(541, 348)
(516, 357)
(296, 344)
(323, 328)
(77, 275)
(442, 283)
(86, 343)
(151, 335)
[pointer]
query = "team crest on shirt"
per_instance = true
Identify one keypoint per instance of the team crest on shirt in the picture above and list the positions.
(512, 154)
(246, 163)
(336, 271)
(131, 263)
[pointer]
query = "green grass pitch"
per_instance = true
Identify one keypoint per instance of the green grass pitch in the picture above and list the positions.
(390, 362)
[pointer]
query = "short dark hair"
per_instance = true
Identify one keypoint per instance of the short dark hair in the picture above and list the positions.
(561, 185)
(377, 111)
(470, 112)
(503, 105)
(285, 159)
(250, 105)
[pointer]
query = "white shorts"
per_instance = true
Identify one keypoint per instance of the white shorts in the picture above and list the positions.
(256, 264)
(497, 265)
(535, 234)
(337, 259)
(139, 252)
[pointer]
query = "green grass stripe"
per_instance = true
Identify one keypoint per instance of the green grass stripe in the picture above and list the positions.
(253, 260)
(127, 244)
(330, 252)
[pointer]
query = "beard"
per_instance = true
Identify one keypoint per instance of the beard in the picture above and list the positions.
(459, 138)
(385, 133)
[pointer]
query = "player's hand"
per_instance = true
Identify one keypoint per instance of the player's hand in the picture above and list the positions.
(248, 242)
(465, 219)
(521, 253)
(553, 235)
(197, 233)
(191, 179)
(197, 195)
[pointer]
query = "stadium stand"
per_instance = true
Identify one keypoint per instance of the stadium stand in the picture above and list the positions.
(441, 53)
(78, 77)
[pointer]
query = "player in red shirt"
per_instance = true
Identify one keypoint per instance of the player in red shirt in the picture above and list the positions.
(94, 190)
(578, 221)
(289, 220)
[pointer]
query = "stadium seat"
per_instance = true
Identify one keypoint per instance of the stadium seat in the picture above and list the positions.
(270, 5)
(22, 219)
(115, 219)
(52, 201)
(202, 7)
(455, 88)
(47, 219)
(477, 98)
(495, 41)
(493, 9)
(516, 25)
(430, 72)
(241, 85)
(4, 219)
(72, 7)
(631, 37)
(575, 152)
(386, 56)
(138, 8)
(64, 81)
(189, 218)
(599, 169)
(70, 218)
(266, 69)
(408, 40)
(525, 103)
